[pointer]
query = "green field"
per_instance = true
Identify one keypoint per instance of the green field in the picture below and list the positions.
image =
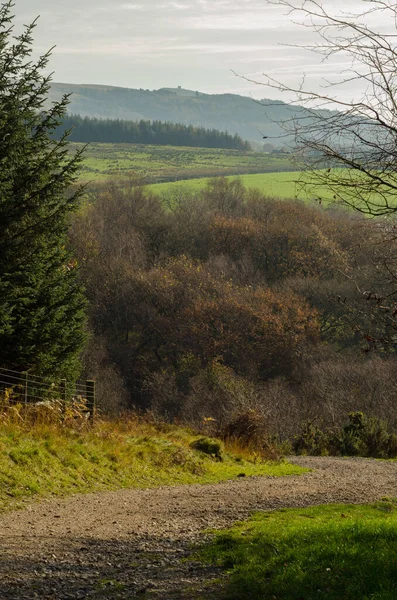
(167, 163)
(329, 552)
(291, 185)
(166, 169)
(277, 185)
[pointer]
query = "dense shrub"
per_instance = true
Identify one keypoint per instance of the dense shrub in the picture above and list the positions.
(249, 429)
(360, 436)
(311, 439)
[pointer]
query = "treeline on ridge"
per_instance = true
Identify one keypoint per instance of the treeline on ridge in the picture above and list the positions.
(117, 131)
(210, 307)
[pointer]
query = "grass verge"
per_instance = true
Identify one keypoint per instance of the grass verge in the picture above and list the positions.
(328, 552)
(47, 459)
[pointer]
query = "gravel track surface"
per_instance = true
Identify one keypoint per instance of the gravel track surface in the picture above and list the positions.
(131, 543)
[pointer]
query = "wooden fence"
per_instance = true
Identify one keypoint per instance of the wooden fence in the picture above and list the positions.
(23, 387)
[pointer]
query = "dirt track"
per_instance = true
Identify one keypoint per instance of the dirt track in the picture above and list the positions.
(130, 543)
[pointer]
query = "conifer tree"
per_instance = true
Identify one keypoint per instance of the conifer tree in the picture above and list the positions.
(42, 318)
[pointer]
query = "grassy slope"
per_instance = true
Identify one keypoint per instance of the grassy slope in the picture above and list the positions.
(275, 185)
(327, 552)
(166, 163)
(48, 459)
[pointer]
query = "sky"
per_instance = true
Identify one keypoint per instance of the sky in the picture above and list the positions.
(196, 44)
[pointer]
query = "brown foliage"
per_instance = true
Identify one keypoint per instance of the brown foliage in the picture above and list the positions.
(225, 279)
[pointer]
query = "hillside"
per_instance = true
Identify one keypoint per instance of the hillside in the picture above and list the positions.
(226, 112)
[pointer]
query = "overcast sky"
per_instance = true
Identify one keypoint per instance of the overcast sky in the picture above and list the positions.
(165, 43)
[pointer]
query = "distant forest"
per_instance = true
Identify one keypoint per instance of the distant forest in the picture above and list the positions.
(117, 131)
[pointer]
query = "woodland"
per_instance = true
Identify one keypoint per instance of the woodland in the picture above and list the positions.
(226, 306)
(112, 131)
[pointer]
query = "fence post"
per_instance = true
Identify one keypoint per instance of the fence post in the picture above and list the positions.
(90, 391)
(26, 388)
(62, 388)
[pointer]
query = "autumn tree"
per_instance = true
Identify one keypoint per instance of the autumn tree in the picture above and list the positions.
(345, 137)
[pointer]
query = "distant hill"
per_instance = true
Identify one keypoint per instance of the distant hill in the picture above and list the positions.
(235, 114)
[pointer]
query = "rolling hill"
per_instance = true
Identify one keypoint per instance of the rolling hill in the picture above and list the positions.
(226, 112)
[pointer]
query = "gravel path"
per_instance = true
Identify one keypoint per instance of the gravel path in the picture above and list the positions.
(131, 543)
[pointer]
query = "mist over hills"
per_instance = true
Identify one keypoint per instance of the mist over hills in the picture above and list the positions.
(248, 118)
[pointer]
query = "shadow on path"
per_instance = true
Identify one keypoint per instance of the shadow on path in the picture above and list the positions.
(93, 568)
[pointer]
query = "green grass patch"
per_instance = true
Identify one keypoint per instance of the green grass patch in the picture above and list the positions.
(297, 185)
(104, 162)
(276, 185)
(167, 168)
(51, 460)
(328, 552)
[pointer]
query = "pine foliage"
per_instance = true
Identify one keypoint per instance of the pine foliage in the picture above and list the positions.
(41, 304)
